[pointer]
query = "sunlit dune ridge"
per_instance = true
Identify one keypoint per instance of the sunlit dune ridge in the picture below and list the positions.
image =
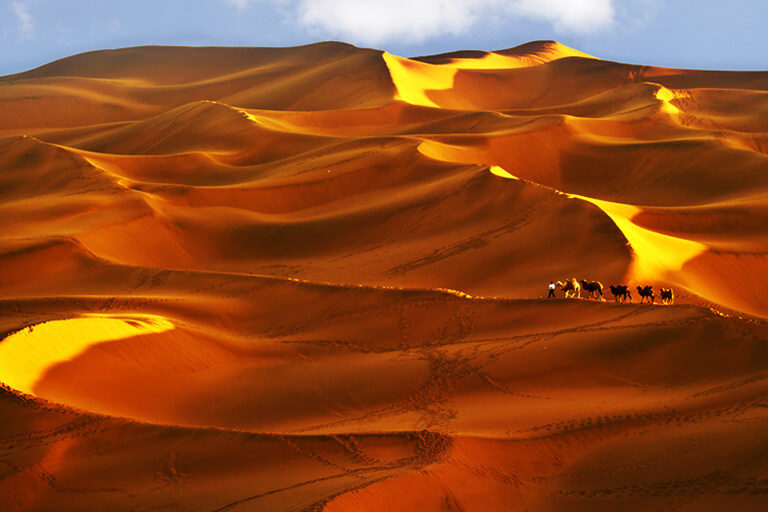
(26, 355)
(655, 255)
(414, 79)
(314, 278)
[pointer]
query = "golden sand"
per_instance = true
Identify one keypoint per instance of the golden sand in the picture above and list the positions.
(313, 278)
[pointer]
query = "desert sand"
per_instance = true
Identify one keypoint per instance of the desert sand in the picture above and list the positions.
(314, 278)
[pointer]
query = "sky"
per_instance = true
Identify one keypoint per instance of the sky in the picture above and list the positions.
(697, 34)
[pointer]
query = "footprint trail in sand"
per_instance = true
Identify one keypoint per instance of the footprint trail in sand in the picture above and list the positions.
(311, 279)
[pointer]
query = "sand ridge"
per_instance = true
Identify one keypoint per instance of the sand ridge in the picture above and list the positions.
(312, 278)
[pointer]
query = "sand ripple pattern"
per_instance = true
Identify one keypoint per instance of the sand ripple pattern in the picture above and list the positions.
(296, 279)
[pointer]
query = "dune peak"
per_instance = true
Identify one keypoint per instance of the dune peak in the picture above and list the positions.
(330, 277)
(546, 49)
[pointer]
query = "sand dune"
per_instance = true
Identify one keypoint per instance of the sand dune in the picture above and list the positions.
(128, 84)
(311, 278)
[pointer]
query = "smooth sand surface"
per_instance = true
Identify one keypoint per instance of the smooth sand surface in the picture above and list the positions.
(313, 278)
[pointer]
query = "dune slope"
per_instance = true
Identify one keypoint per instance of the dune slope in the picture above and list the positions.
(313, 278)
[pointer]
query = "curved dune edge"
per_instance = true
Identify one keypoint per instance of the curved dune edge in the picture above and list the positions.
(656, 256)
(209, 210)
(414, 78)
(26, 355)
(307, 366)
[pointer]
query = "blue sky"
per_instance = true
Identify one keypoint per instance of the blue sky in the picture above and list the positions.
(703, 34)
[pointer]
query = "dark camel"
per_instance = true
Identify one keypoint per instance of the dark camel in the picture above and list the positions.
(667, 296)
(646, 292)
(621, 291)
(593, 288)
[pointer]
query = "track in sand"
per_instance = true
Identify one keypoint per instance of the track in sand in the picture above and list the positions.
(258, 279)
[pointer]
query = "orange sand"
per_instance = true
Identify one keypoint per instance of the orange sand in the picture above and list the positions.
(311, 278)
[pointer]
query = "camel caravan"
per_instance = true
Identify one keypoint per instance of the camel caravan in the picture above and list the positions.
(572, 288)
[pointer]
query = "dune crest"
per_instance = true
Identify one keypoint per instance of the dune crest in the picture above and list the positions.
(25, 356)
(656, 256)
(316, 278)
(415, 78)
(524, 55)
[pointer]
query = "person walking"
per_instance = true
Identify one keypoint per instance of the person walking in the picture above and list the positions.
(551, 290)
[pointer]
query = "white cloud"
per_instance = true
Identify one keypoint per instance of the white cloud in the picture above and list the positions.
(579, 16)
(26, 27)
(373, 22)
(377, 21)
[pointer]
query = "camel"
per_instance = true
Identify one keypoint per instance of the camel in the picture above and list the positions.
(593, 288)
(667, 296)
(646, 293)
(571, 288)
(622, 291)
